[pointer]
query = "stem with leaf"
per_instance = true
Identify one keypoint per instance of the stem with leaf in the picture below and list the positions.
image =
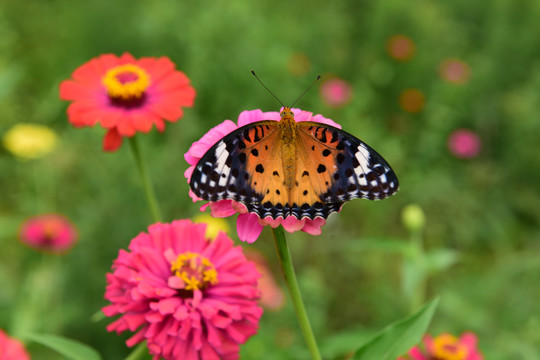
(290, 278)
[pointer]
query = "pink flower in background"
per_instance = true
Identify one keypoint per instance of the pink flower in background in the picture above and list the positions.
(272, 297)
(446, 347)
(455, 71)
(186, 296)
(125, 95)
(336, 92)
(400, 47)
(48, 232)
(249, 226)
(464, 143)
(11, 348)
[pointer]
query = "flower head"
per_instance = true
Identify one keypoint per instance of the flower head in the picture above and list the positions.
(447, 347)
(188, 297)
(29, 141)
(455, 71)
(336, 92)
(249, 226)
(48, 232)
(464, 143)
(400, 47)
(11, 348)
(126, 96)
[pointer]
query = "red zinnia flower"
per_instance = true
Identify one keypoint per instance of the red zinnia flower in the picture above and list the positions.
(125, 95)
(447, 347)
(11, 349)
(48, 232)
(187, 296)
(400, 47)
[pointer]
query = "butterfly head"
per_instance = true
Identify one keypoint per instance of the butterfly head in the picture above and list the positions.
(286, 113)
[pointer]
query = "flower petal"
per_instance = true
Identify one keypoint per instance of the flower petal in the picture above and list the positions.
(248, 227)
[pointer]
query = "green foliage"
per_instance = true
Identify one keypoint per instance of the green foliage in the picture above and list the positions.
(72, 350)
(478, 250)
(398, 337)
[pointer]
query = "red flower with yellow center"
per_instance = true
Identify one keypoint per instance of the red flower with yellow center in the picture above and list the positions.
(126, 96)
(446, 347)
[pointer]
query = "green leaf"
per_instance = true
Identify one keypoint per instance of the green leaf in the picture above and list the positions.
(398, 337)
(71, 349)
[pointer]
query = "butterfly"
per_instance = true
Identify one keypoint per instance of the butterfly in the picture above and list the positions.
(286, 168)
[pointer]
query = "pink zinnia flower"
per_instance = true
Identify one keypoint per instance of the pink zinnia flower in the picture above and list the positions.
(400, 47)
(48, 232)
(11, 349)
(249, 226)
(336, 92)
(464, 143)
(126, 96)
(188, 297)
(455, 71)
(446, 347)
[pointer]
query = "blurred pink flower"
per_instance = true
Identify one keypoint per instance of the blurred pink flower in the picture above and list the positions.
(464, 143)
(400, 47)
(272, 297)
(11, 348)
(249, 226)
(455, 71)
(336, 92)
(188, 297)
(48, 232)
(412, 100)
(446, 347)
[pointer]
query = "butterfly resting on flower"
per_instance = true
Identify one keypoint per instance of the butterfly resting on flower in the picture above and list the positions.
(286, 168)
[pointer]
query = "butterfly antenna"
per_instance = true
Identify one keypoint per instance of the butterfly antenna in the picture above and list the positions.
(267, 89)
(310, 86)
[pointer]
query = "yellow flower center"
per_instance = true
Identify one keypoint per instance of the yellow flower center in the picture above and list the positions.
(126, 82)
(195, 270)
(447, 347)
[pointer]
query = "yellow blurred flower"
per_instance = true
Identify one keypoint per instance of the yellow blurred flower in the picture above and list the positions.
(213, 225)
(29, 141)
(413, 217)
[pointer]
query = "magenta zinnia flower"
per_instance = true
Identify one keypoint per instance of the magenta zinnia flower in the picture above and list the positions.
(446, 347)
(126, 96)
(336, 92)
(249, 226)
(464, 143)
(11, 348)
(48, 232)
(187, 296)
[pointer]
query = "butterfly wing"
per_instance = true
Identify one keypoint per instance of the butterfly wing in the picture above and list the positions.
(242, 167)
(333, 167)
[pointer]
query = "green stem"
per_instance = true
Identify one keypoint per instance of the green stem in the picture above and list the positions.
(148, 189)
(138, 352)
(290, 278)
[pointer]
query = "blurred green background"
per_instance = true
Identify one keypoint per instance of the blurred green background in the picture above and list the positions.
(482, 214)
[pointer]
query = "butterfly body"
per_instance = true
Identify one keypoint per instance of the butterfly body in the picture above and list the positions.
(286, 168)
